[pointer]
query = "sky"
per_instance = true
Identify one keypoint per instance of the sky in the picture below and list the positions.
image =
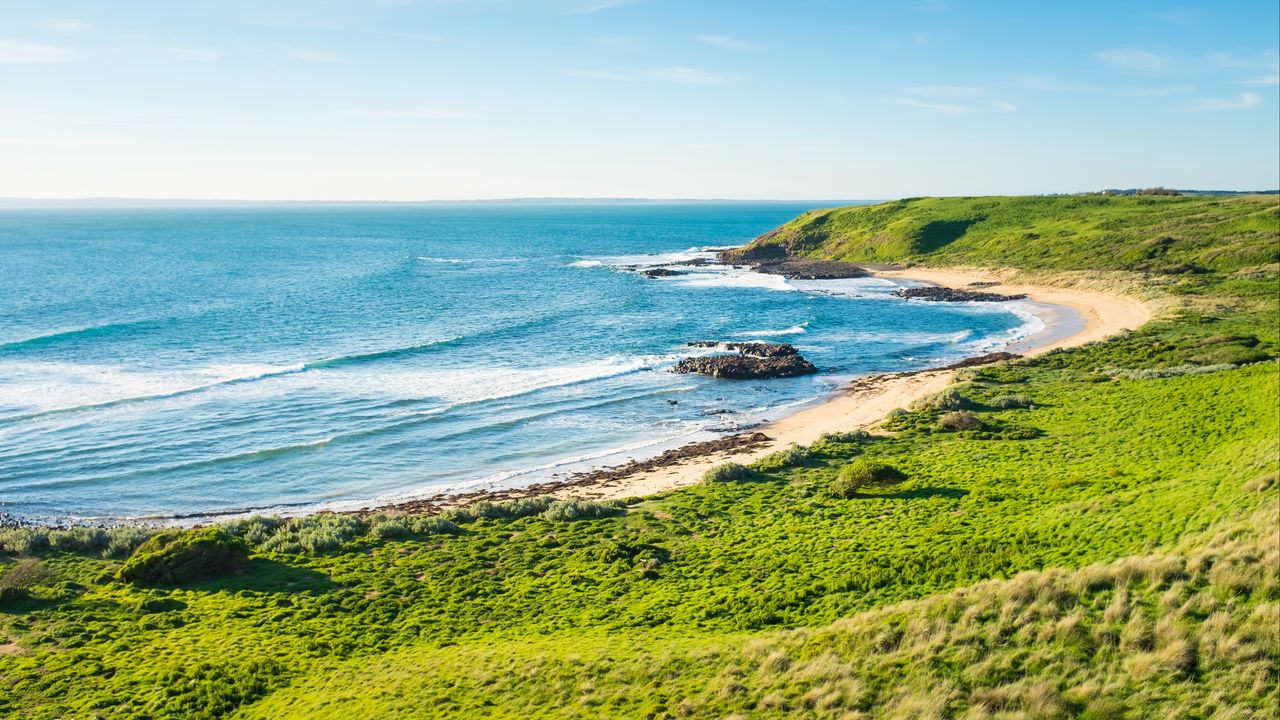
(466, 99)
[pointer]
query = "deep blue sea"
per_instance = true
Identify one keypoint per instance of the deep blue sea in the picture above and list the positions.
(174, 361)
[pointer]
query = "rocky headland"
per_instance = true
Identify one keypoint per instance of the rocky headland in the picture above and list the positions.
(946, 294)
(752, 361)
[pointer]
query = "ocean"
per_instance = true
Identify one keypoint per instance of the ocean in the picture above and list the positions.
(167, 362)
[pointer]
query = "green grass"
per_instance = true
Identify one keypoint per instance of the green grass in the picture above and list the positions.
(1104, 544)
(1039, 232)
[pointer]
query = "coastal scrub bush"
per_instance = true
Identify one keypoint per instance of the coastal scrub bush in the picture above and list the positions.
(389, 528)
(432, 525)
(315, 533)
(489, 510)
(959, 420)
(1010, 402)
(16, 583)
(177, 557)
(255, 530)
(111, 542)
(790, 457)
(849, 437)
(863, 473)
(728, 472)
(1167, 372)
(948, 399)
(575, 509)
(123, 540)
(24, 541)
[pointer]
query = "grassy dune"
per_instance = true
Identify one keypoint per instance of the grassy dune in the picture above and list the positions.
(1102, 542)
(1036, 232)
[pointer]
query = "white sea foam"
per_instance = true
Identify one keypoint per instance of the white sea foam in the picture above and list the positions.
(467, 261)
(856, 288)
(46, 386)
(793, 330)
(587, 263)
(477, 384)
(734, 278)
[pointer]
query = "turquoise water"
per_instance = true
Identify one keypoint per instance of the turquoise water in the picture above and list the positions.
(176, 361)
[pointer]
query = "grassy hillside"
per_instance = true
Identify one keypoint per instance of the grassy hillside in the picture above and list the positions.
(1103, 541)
(1037, 232)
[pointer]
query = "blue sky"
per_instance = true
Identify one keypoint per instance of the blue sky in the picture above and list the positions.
(450, 99)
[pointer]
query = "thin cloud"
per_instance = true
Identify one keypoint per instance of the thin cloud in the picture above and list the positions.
(1162, 91)
(139, 45)
(12, 51)
(673, 75)
(954, 99)
(417, 113)
(1134, 60)
(65, 26)
(627, 42)
(725, 43)
(1267, 65)
(1047, 83)
(986, 106)
(1263, 80)
(947, 91)
(1241, 102)
(315, 56)
(606, 5)
(684, 76)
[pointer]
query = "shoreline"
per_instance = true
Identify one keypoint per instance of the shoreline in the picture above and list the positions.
(863, 403)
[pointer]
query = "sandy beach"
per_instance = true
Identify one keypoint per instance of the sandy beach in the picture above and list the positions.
(865, 402)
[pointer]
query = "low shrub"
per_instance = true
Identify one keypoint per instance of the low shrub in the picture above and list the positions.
(256, 529)
(959, 420)
(112, 542)
(1010, 402)
(1167, 372)
(575, 509)
(432, 525)
(948, 399)
(790, 457)
(505, 510)
(177, 557)
(24, 541)
(728, 472)
(389, 528)
(852, 436)
(17, 581)
(864, 473)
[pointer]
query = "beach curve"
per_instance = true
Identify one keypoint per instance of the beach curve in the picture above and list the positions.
(865, 402)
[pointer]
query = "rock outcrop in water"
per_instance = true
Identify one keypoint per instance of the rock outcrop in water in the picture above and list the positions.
(753, 361)
(660, 273)
(945, 294)
(805, 269)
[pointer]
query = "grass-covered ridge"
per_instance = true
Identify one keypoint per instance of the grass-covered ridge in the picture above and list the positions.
(1068, 232)
(1102, 542)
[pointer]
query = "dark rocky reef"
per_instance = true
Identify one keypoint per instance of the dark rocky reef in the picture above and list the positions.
(751, 349)
(754, 361)
(945, 294)
(660, 273)
(987, 359)
(805, 269)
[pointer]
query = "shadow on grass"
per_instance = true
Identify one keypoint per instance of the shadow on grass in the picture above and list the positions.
(925, 492)
(939, 233)
(268, 576)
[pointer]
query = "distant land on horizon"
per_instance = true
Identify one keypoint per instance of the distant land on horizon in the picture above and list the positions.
(114, 202)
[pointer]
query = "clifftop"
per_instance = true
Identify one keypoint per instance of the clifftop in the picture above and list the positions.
(1151, 234)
